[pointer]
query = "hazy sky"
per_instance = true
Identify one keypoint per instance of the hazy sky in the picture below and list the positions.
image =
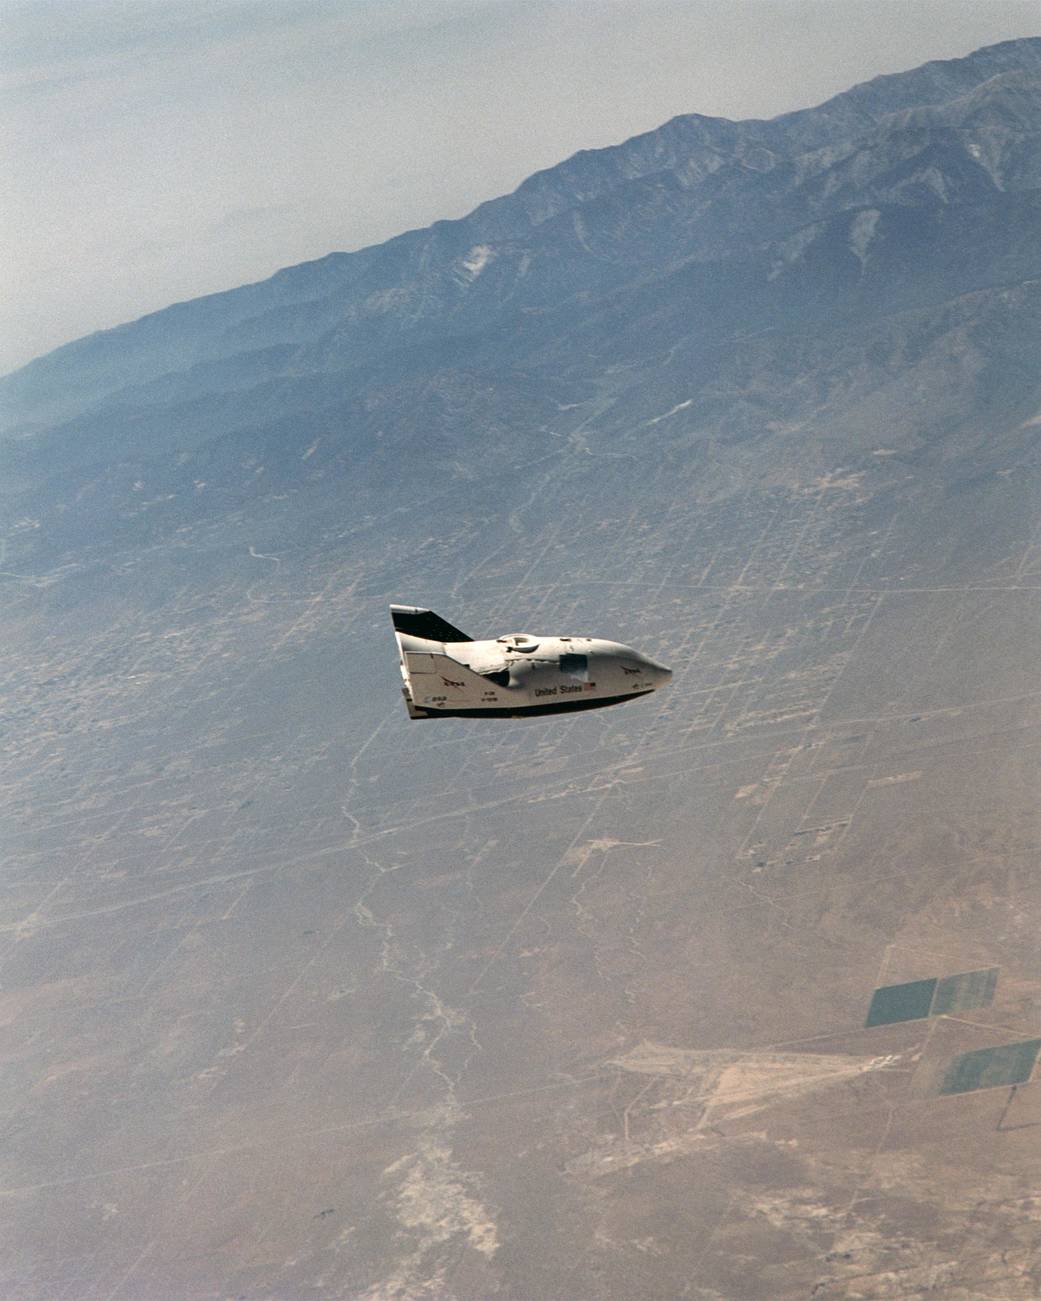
(154, 150)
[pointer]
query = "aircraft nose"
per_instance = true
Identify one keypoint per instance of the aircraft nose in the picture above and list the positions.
(658, 673)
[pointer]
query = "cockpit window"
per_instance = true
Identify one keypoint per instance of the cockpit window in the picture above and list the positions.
(575, 666)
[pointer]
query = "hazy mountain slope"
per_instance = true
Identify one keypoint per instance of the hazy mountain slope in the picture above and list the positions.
(702, 186)
(655, 249)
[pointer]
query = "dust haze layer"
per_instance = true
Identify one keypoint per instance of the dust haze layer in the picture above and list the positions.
(301, 999)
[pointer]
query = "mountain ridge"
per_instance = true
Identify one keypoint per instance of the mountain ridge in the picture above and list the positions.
(644, 293)
(662, 150)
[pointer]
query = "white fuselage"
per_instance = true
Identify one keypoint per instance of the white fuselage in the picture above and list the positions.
(519, 675)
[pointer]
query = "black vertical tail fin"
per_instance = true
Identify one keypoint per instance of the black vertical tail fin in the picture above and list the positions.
(415, 622)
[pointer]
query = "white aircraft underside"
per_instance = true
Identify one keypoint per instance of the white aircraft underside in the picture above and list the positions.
(449, 675)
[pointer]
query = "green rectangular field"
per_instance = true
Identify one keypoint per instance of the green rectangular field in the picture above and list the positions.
(985, 1068)
(907, 1002)
(965, 991)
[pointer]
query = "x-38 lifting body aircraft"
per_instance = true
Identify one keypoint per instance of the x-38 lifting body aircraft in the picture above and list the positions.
(449, 675)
